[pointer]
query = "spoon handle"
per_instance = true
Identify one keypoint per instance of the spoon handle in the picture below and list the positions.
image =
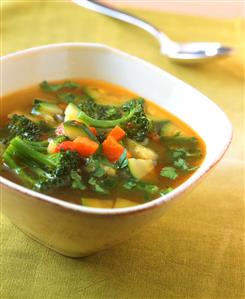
(123, 16)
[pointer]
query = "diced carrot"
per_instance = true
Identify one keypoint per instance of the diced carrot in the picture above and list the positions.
(66, 145)
(62, 106)
(85, 146)
(60, 130)
(117, 133)
(93, 130)
(112, 149)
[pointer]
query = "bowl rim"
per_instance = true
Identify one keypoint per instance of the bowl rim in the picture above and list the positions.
(192, 180)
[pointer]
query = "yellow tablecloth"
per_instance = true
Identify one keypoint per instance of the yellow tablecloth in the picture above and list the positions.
(197, 249)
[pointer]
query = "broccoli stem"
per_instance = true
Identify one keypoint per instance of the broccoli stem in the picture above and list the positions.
(99, 123)
(28, 151)
(40, 146)
(25, 178)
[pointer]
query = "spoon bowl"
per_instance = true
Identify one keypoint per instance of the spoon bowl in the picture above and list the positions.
(188, 53)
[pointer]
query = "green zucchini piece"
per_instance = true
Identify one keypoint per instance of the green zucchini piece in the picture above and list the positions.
(92, 92)
(45, 108)
(139, 151)
(139, 168)
(169, 129)
(71, 112)
(73, 129)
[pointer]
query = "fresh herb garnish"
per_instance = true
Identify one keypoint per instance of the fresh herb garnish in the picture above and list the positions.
(166, 191)
(141, 186)
(77, 182)
(97, 186)
(169, 172)
(183, 165)
(122, 161)
(184, 153)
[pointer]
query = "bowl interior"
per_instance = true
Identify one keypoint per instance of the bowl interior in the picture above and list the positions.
(95, 61)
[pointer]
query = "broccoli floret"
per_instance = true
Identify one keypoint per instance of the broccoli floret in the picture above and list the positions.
(23, 127)
(139, 125)
(39, 171)
(97, 111)
(134, 120)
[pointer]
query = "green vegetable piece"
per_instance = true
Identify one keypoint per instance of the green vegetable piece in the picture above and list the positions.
(139, 151)
(166, 191)
(44, 108)
(183, 165)
(97, 187)
(39, 171)
(179, 140)
(94, 167)
(141, 186)
(122, 161)
(45, 86)
(169, 172)
(130, 184)
(77, 182)
(184, 153)
(23, 127)
(92, 92)
(71, 112)
(73, 129)
(67, 97)
(169, 129)
(98, 123)
(139, 168)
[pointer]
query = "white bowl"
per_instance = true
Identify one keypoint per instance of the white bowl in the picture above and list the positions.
(75, 230)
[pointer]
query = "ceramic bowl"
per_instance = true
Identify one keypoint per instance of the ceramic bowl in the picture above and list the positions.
(78, 231)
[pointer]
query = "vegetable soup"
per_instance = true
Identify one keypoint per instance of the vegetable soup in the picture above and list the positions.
(94, 144)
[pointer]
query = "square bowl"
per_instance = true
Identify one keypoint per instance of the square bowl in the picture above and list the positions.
(74, 230)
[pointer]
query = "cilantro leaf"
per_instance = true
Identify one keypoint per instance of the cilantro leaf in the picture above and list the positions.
(166, 191)
(183, 153)
(148, 188)
(169, 172)
(183, 165)
(130, 184)
(123, 160)
(77, 182)
(141, 186)
(96, 186)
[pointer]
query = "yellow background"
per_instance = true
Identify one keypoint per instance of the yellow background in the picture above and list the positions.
(197, 249)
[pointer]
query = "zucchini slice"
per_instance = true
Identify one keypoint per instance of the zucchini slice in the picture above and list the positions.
(45, 108)
(169, 129)
(139, 168)
(92, 92)
(73, 129)
(71, 112)
(139, 151)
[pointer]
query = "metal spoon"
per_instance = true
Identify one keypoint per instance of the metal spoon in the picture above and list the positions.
(192, 52)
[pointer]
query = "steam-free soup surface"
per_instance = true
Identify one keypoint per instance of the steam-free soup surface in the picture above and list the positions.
(95, 144)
